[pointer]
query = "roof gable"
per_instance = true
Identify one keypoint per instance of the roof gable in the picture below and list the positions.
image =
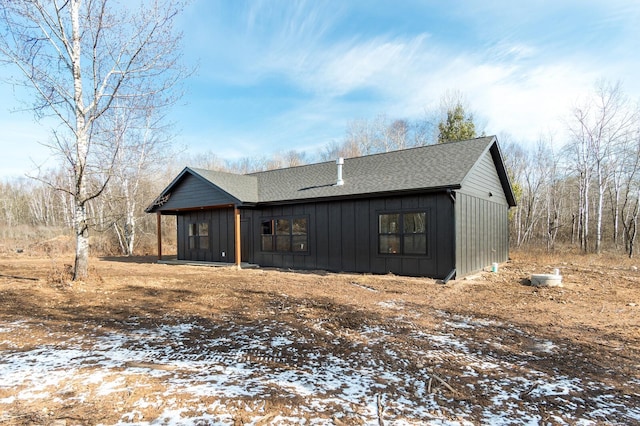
(489, 177)
(195, 188)
(243, 188)
(432, 167)
(424, 168)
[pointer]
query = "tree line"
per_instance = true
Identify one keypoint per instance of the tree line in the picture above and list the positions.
(107, 75)
(584, 191)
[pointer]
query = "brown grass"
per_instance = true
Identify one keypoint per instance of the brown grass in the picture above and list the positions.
(593, 319)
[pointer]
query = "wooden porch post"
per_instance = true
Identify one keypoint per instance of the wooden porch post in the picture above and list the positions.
(236, 232)
(159, 231)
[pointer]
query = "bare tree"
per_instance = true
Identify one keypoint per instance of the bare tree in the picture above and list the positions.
(293, 158)
(535, 180)
(398, 133)
(333, 150)
(359, 139)
(601, 123)
(628, 189)
(555, 194)
(516, 163)
(423, 131)
(379, 134)
(144, 142)
(82, 59)
(631, 224)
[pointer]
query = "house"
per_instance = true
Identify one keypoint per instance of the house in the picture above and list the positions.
(436, 211)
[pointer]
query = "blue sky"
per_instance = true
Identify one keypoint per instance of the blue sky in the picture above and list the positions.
(277, 75)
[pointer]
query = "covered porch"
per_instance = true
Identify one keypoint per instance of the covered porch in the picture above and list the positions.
(173, 260)
(206, 237)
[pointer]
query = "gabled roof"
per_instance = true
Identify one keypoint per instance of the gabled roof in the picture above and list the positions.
(222, 188)
(432, 167)
(243, 188)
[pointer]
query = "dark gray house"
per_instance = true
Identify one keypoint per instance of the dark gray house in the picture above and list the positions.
(437, 211)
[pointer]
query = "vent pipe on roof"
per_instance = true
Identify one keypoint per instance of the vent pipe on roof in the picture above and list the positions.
(340, 162)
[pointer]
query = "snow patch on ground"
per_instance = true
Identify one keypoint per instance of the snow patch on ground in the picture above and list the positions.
(213, 367)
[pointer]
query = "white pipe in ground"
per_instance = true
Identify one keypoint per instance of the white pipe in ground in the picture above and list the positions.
(547, 280)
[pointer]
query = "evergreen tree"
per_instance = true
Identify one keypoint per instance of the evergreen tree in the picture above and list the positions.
(457, 127)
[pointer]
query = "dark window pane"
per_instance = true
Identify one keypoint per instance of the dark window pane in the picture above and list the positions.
(192, 243)
(414, 223)
(283, 243)
(415, 244)
(283, 227)
(300, 243)
(389, 223)
(389, 244)
(267, 243)
(285, 235)
(300, 226)
(267, 227)
(192, 229)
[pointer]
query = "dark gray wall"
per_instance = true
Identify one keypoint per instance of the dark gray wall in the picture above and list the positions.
(343, 236)
(193, 192)
(483, 179)
(221, 235)
(467, 235)
(482, 232)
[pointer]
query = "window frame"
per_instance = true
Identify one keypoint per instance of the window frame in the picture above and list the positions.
(282, 242)
(197, 232)
(399, 236)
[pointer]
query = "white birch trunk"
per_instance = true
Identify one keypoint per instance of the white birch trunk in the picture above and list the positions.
(130, 218)
(81, 269)
(599, 208)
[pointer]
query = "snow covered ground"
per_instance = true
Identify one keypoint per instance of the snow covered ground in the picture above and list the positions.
(181, 371)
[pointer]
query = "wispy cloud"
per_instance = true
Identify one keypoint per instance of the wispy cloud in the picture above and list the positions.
(279, 74)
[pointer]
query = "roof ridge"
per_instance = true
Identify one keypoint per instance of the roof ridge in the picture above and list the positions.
(370, 155)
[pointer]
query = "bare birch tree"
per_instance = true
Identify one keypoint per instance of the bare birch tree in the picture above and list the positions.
(144, 141)
(602, 122)
(79, 58)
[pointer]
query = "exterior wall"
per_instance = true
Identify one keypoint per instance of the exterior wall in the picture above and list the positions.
(467, 235)
(482, 231)
(483, 180)
(193, 192)
(343, 236)
(221, 235)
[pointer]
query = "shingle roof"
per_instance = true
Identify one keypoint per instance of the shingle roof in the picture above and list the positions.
(429, 167)
(243, 188)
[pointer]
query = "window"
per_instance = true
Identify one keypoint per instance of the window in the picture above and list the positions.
(402, 233)
(415, 233)
(284, 234)
(299, 234)
(199, 236)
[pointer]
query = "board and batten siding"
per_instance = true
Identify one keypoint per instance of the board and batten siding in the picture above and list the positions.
(482, 235)
(482, 232)
(221, 235)
(194, 192)
(343, 236)
(483, 180)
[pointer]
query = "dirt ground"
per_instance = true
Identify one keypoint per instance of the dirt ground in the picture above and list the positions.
(144, 343)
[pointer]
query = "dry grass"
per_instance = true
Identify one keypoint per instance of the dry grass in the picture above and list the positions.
(585, 332)
(57, 242)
